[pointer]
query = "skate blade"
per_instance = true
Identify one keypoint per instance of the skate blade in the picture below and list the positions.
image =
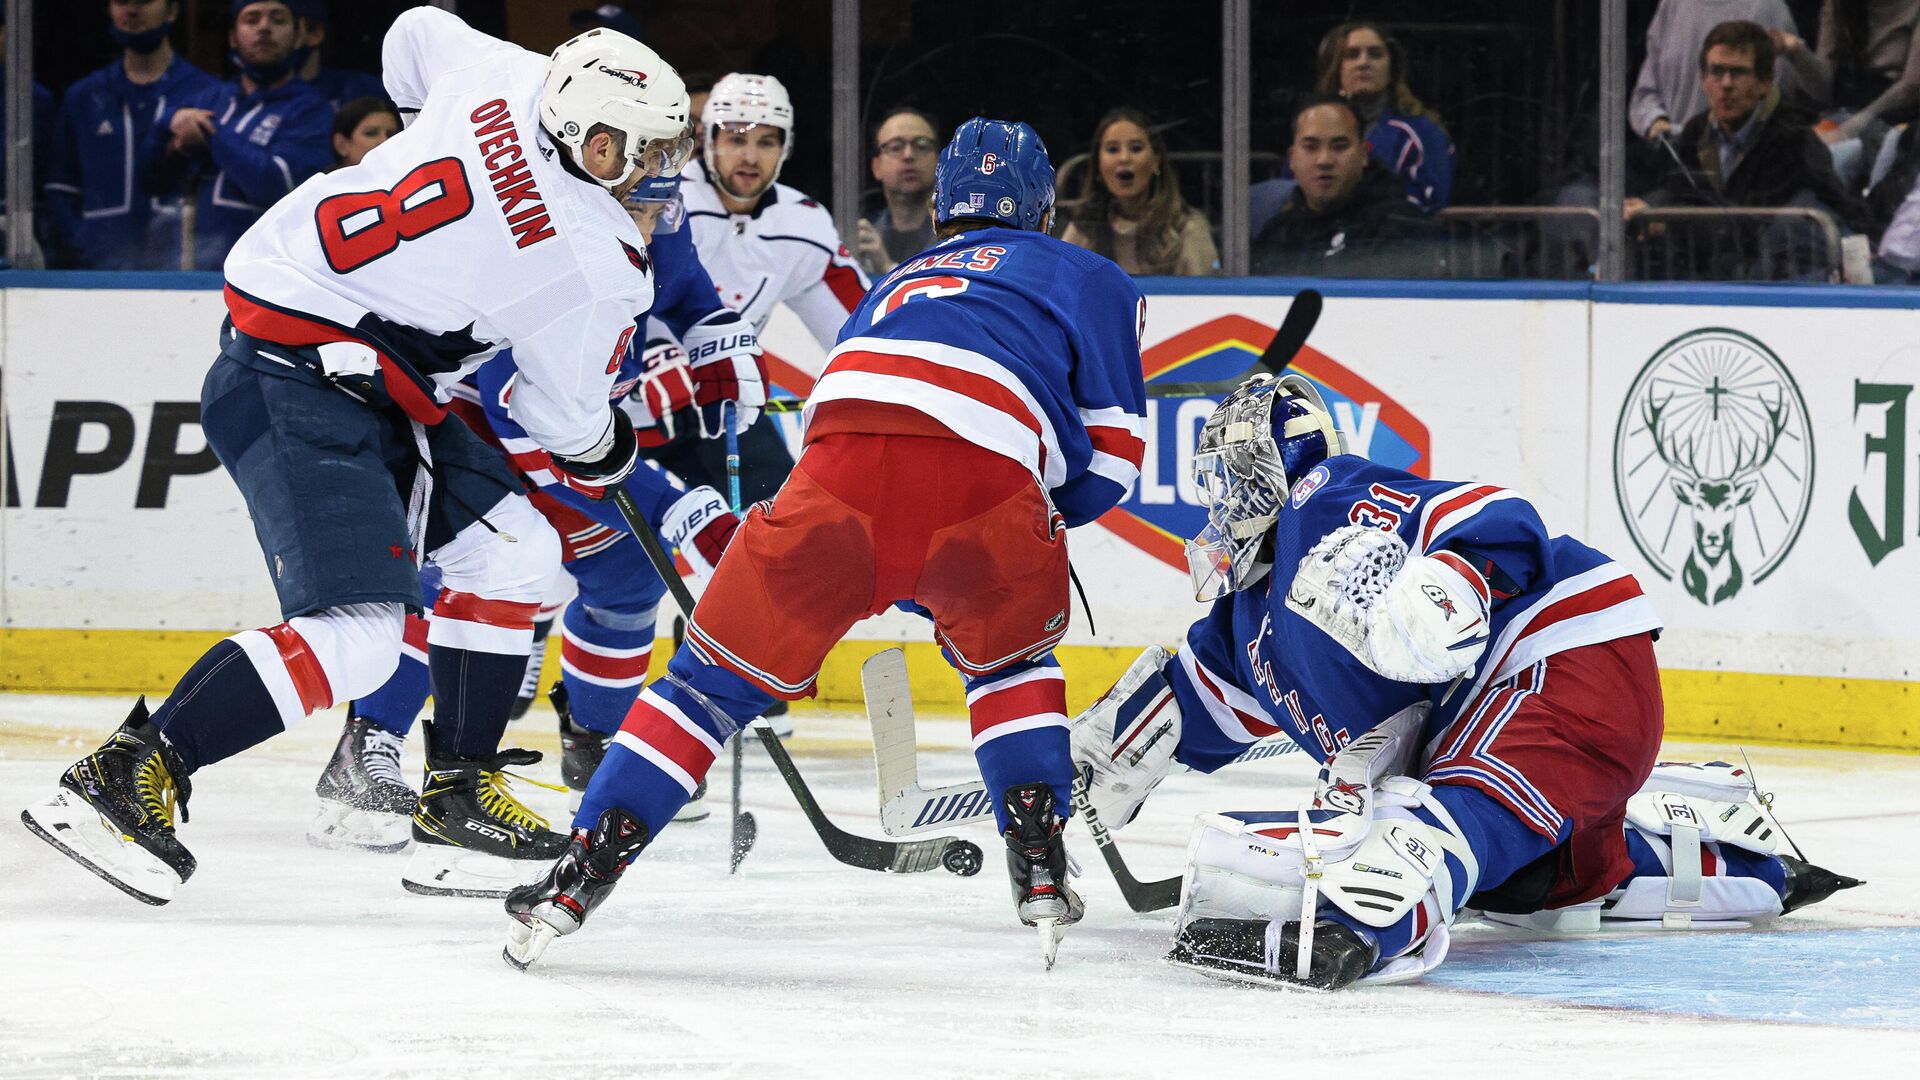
(338, 827)
(441, 870)
(79, 832)
(526, 941)
(1243, 976)
(1051, 931)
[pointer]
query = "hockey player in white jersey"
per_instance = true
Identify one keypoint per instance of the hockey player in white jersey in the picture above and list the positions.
(355, 303)
(765, 244)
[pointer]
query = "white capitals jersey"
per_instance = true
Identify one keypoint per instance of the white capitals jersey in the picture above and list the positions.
(456, 238)
(785, 252)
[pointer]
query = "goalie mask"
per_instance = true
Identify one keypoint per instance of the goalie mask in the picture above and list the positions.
(1258, 443)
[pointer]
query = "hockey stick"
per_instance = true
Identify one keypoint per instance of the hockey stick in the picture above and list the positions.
(956, 855)
(744, 828)
(1274, 359)
(1141, 896)
(1286, 343)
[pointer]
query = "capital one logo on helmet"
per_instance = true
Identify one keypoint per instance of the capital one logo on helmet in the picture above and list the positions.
(627, 75)
(1713, 462)
(1165, 508)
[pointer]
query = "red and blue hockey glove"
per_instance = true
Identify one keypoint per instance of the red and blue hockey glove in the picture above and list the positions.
(727, 366)
(595, 473)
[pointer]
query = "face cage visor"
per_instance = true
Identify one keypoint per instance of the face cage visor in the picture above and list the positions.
(1225, 557)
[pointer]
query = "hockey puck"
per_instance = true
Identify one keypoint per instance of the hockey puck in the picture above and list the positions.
(962, 857)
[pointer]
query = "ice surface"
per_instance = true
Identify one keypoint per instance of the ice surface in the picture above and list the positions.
(278, 959)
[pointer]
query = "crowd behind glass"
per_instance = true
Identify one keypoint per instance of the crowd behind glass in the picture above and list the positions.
(1789, 141)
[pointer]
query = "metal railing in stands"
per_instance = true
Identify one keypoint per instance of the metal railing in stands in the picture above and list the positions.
(1551, 242)
(1785, 243)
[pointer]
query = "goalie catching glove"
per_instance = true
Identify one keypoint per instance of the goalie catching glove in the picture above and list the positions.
(1410, 618)
(726, 363)
(1123, 744)
(700, 525)
(598, 471)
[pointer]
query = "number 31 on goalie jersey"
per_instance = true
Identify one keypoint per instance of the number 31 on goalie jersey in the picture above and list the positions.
(939, 285)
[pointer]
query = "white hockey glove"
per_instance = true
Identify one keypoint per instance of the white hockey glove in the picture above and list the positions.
(1123, 744)
(657, 405)
(701, 526)
(1418, 619)
(726, 363)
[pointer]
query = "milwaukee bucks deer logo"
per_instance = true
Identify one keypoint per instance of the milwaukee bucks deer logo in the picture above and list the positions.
(1713, 463)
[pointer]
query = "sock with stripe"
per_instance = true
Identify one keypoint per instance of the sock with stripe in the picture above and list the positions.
(604, 665)
(477, 657)
(669, 740)
(219, 708)
(1020, 734)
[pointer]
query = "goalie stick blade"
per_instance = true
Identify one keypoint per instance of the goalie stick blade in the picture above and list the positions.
(1302, 315)
(906, 807)
(1141, 896)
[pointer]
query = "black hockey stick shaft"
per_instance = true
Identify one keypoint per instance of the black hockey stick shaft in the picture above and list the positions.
(1141, 896)
(868, 854)
(1287, 342)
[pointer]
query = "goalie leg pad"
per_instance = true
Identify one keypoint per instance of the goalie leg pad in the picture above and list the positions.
(1703, 850)
(1400, 875)
(1123, 744)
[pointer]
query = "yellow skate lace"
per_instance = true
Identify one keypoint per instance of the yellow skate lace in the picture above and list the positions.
(496, 798)
(154, 784)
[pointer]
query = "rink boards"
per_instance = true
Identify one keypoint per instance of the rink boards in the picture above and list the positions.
(1751, 454)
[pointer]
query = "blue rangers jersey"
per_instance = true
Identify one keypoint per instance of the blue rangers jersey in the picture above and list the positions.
(263, 146)
(1253, 667)
(1016, 342)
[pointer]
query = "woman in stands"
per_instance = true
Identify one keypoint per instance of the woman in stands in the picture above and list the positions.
(1363, 63)
(361, 125)
(1130, 207)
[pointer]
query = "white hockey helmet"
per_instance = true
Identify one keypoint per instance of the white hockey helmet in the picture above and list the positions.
(745, 99)
(606, 77)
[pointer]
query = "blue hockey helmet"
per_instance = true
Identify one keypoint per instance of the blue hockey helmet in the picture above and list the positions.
(656, 189)
(995, 169)
(1262, 442)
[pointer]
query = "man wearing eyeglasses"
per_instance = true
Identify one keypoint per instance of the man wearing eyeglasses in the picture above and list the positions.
(903, 148)
(1748, 149)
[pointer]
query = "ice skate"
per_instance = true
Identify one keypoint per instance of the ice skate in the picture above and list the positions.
(1810, 884)
(365, 802)
(114, 812)
(576, 883)
(471, 836)
(1252, 950)
(1037, 864)
(581, 750)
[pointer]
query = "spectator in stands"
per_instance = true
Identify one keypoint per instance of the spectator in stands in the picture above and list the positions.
(43, 127)
(361, 125)
(1746, 149)
(1131, 209)
(1875, 53)
(1363, 63)
(904, 144)
(1669, 91)
(337, 85)
(1349, 217)
(104, 160)
(252, 140)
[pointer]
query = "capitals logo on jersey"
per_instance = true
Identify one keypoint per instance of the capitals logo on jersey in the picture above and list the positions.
(1164, 507)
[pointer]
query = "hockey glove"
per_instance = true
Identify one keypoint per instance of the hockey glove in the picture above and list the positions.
(700, 525)
(661, 403)
(726, 366)
(596, 472)
(1123, 744)
(1411, 618)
